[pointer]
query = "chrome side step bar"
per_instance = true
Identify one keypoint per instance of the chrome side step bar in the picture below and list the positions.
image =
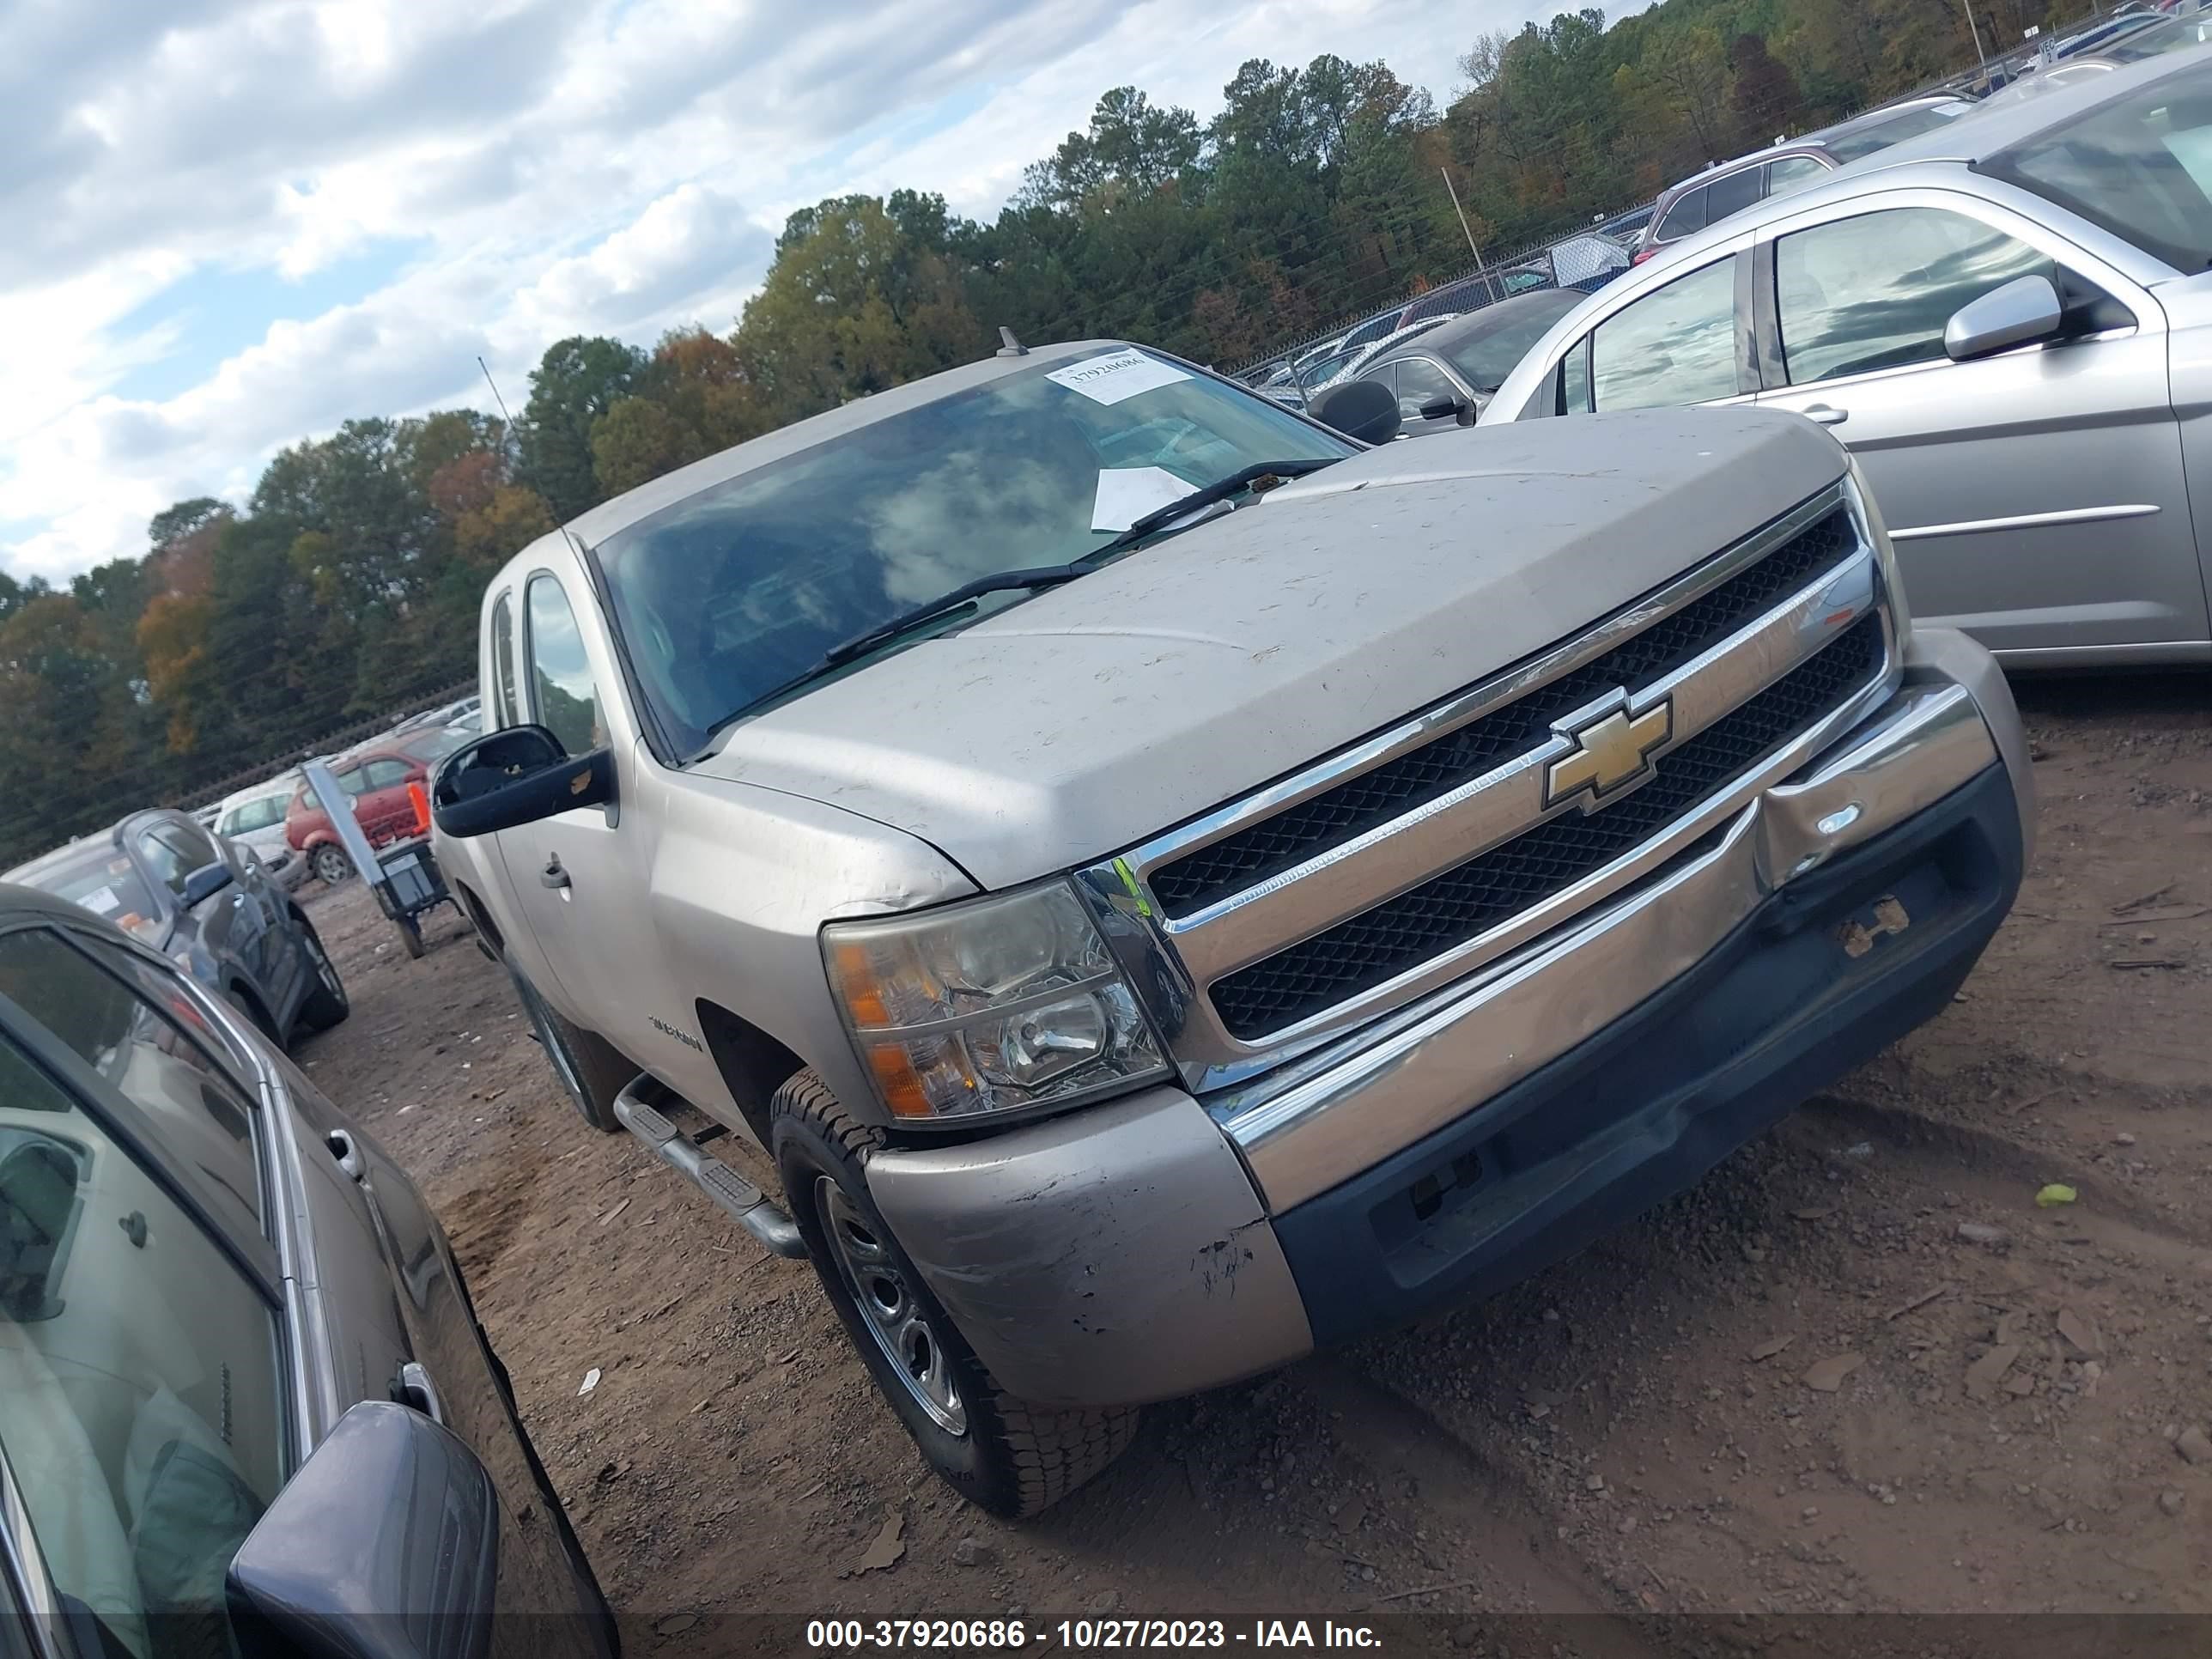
(751, 1208)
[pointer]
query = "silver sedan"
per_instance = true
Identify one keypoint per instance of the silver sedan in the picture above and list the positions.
(2008, 322)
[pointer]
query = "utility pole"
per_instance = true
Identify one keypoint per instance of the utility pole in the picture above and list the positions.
(1463, 226)
(1980, 52)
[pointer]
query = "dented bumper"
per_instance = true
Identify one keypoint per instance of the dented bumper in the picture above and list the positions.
(1165, 1244)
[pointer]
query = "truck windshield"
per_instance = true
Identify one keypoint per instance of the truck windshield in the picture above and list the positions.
(732, 593)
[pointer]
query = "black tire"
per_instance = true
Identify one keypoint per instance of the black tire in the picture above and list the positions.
(411, 935)
(327, 1003)
(256, 1016)
(1009, 1457)
(587, 1066)
(331, 865)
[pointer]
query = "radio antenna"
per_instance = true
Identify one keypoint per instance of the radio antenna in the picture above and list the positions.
(495, 397)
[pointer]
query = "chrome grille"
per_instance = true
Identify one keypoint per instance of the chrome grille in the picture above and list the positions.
(1380, 944)
(1446, 842)
(1339, 815)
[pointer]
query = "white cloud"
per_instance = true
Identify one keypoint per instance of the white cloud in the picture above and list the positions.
(564, 166)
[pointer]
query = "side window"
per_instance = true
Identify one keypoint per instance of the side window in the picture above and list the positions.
(1875, 291)
(560, 674)
(351, 781)
(141, 1409)
(1686, 218)
(1419, 382)
(144, 1045)
(1675, 345)
(384, 774)
(166, 860)
(507, 705)
(1733, 192)
(1793, 173)
(1575, 380)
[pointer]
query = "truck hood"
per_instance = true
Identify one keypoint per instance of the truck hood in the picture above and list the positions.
(1068, 728)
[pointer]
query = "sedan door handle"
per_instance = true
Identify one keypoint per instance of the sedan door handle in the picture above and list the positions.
(553, 875)
(1827, 415)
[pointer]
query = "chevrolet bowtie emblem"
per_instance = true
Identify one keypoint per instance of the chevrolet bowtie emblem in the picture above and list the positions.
(1612, 750)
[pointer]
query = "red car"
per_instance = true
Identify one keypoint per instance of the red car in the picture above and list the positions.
(376, 776)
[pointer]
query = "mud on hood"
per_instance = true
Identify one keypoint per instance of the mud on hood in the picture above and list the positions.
(1071, 726)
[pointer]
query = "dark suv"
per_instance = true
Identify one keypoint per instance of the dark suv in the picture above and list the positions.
(244, 1406)
(207, 906)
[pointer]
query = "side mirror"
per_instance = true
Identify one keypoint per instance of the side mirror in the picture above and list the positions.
(206, 883)
(384, 1546)
(1451, 408)
(1365, 410)
(517, 776)
(2025, 309)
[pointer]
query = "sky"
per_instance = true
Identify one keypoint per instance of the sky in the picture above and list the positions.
(234, 224)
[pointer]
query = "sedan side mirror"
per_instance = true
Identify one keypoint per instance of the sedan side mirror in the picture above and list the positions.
(1365, 410)
(516, 776)
(206, 883)
(2025, 309)
(384, 1546)
(1449, 407)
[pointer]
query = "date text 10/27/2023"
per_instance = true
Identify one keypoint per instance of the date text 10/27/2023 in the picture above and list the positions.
(858, 1635)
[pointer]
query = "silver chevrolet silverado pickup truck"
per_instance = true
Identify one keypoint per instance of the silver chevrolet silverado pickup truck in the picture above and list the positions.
(1169, 885)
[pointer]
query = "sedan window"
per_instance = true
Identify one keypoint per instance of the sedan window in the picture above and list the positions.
(1675, 345)
(1793, 173)
(1732, 192)
(1686, 218)
(384, 774)
(139, 1406)
(146, 1053)
(1874, 291)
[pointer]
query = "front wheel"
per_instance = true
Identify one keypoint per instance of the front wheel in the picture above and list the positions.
(1001, 1454)
(326, 1002)
(330, 864)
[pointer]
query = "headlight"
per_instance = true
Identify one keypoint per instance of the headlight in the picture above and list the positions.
(988, 1005)
(1866, 512)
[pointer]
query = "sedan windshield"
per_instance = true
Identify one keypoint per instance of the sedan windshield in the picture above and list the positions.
(1484, 357)
(740, 591)
(2140, 166)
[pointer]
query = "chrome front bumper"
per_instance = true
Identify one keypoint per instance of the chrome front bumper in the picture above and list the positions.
(1305, 1127)
(1148, 1247)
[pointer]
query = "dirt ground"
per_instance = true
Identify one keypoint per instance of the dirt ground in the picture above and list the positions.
(1858, 1369)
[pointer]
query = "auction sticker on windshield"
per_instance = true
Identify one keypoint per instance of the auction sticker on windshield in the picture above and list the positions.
(1116, 375)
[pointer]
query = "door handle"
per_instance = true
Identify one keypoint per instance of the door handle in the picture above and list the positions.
(413, 1387)
(342, 1149)
(554, 875)
(1826, 414)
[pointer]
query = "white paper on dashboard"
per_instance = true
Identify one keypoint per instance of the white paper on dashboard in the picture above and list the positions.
(1116, 375)
(101, 901)
(1126, 494)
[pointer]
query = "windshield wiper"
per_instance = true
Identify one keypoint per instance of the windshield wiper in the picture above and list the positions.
(999, 581)
(1220, 490)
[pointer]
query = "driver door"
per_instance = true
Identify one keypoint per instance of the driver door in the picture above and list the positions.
(2036, 497)
(579, 878)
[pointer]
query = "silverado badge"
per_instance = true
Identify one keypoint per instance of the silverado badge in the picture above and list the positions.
(1612, 750)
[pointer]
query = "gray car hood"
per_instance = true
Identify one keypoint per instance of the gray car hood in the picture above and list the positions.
(1073, 726)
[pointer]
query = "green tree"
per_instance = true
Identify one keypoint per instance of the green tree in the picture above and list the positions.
(577, 380)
